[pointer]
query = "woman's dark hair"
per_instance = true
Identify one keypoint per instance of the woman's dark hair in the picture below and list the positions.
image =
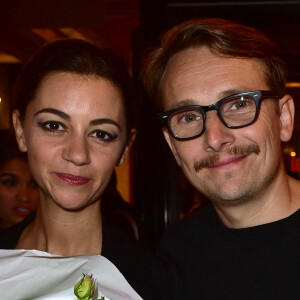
(78, 57)
(222, 38)
(8, 147)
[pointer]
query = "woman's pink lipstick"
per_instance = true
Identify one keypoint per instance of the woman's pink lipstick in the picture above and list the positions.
(22, 211)
(72, 179)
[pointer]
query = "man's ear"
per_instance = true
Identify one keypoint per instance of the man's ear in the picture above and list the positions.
(171, 145)
(287, 111)
(19, 130)
(127, 146)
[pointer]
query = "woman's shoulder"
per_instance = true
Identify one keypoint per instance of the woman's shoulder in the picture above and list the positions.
(9, 237)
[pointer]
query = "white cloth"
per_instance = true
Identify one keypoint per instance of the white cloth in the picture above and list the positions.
(32, 274)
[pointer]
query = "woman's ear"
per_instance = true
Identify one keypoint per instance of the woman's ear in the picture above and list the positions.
(19, 130)
(287, 111)
(127, 146)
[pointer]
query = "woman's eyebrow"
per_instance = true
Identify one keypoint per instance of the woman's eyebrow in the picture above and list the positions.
(68, 118)
(55, 112)
(104, 121)
(8, 174)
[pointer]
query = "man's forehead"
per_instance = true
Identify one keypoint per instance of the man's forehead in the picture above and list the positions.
(187, 59)
(201, 62)
(197, 71)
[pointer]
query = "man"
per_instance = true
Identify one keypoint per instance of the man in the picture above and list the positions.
(221, 89)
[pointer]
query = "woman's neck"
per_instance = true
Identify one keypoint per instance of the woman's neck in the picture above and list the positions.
(66, 233)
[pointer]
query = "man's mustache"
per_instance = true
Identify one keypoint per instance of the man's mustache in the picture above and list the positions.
(236, 150)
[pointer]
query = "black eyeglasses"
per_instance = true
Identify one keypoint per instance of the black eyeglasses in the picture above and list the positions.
(234, 111)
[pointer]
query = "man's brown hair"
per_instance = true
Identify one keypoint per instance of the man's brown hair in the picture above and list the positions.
(223, 38)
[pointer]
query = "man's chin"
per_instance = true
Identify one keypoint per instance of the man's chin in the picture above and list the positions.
(232, 198)
(229, 202)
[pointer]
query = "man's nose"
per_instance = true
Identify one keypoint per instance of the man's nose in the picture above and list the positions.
(76, 150)
(216, 134)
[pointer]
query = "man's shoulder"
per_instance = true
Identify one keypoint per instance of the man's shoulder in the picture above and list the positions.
(197, 225)
(201, 217)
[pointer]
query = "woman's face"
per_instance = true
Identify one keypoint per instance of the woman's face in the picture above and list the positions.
(18, 192)
(74, 131)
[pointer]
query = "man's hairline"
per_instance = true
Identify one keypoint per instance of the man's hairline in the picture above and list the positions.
(160, 101)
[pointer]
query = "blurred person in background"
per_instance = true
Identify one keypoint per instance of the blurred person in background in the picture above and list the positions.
(18, 190)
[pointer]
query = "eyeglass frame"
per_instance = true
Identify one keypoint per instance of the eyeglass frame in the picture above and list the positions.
(257, 96)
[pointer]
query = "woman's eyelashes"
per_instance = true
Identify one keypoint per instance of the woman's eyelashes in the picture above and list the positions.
(104, 135)
(33, 185)
(9, 181)
(52, 126)
(99, 134)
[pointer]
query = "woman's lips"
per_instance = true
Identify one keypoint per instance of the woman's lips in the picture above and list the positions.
(22, 211)
(72, 179)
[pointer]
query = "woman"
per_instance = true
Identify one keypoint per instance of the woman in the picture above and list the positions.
(18, 190)
(74, 117)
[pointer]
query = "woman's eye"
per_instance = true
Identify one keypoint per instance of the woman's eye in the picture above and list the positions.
(33, 185)
(103, 135)
(10, 182)
(52, 126)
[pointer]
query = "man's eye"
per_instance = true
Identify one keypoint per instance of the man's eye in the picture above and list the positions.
(239, 104)
(103, 135)
(189, 117)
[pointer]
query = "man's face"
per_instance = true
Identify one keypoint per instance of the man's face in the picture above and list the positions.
(229, 166)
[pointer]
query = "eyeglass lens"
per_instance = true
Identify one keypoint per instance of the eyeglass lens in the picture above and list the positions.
(235, 112)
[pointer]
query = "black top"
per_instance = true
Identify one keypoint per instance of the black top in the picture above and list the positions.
(212, 261)
(144, 271)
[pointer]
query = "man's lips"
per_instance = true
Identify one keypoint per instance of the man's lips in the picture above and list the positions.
(72, 179)
(229, 157)
(227, 162)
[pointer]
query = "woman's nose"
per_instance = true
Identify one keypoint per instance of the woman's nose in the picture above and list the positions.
(23, 193)
(76, 151)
